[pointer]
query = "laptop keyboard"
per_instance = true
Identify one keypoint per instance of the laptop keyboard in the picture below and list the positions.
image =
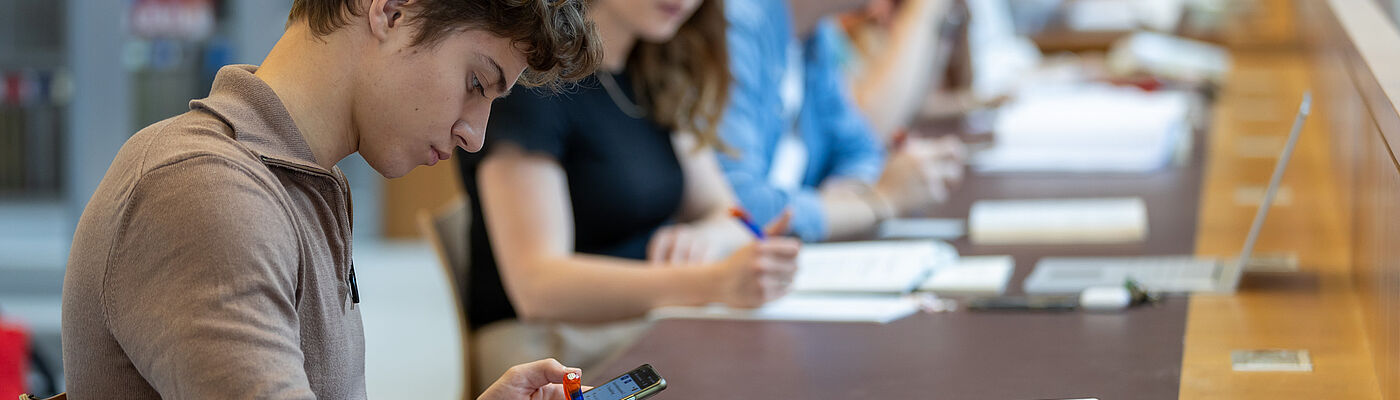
(1168, 270)
(1167, 273)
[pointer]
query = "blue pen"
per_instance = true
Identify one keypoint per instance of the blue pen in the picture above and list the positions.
(748, 222)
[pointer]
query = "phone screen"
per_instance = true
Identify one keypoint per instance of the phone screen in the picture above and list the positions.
(644, 378)
(616, 389)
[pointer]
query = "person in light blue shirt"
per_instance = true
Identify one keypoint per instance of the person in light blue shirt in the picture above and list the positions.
(798, 141)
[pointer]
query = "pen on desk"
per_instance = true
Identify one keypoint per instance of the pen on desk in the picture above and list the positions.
(743, 218)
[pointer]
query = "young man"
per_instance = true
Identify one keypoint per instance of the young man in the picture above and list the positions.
(214, 259)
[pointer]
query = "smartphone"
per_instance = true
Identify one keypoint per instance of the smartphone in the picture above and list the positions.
(636, 384)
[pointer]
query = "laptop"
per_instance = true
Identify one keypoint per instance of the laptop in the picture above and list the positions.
(1168, 274)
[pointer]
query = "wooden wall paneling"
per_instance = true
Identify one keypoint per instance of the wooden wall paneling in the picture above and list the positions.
(1336, 100)
(1383, 277)
(1377, 278)
(1365, 41)
(1367, 248)
(1386, 197)
(1377, 257)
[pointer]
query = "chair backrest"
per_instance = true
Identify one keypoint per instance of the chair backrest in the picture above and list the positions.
(446, 230)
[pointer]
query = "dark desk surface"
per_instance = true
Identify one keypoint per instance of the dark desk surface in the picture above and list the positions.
(1171, 197)
(960, 355)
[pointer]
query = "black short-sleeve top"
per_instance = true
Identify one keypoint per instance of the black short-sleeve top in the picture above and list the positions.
(624, 178)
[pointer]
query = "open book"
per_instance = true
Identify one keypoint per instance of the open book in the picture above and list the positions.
(859, 282)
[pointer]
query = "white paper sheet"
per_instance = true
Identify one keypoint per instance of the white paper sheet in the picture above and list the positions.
(895, 266)
(805, 307)
(1058, 221)
(972, 275)
(923, 228)
(1079, 128)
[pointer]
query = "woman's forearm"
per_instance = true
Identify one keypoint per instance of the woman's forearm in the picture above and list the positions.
(891, 90)
(586, 288)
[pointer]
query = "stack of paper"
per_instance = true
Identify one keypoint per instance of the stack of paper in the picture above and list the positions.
(1169, 57)
(1076, 128)
(878, 309)
(1101, 15)
(1124, 15)
(1058, 221)
(972, 275)
(923, 228)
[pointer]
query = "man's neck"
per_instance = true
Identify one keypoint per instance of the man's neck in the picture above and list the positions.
(314, 84)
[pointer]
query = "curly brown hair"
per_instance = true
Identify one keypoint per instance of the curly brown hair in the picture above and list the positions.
(560, 44)
(684, 82)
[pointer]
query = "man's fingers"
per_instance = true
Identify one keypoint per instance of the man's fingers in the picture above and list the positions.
(553, 391)
(537, 374)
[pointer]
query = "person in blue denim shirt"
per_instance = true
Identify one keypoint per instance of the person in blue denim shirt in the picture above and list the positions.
(799, 142)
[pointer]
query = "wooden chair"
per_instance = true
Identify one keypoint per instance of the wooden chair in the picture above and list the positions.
(446, 230)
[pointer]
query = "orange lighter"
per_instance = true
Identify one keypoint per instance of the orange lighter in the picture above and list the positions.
(573, 386)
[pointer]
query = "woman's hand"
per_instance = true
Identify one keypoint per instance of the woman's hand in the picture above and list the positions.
(680, 244)
(920, 174)
(760, 271)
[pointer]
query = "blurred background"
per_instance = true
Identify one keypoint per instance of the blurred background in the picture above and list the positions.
(78, 78)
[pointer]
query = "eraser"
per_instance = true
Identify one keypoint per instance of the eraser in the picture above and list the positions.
(1105, 298)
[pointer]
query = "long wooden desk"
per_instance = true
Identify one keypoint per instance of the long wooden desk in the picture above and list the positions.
(1180, 349)
(959, 355)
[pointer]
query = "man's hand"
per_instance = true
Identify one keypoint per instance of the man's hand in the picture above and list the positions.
(539, 380)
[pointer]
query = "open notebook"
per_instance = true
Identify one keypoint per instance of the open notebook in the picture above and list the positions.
(870, 267)
(972, 276)
(873, 308)
(865, 282)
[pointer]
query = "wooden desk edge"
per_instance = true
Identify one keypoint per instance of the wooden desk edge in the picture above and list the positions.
(1324, 319)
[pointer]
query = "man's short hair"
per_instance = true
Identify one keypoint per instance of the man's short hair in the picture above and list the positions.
(560, 43)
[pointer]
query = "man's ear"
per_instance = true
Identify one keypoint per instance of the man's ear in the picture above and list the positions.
(385, 15)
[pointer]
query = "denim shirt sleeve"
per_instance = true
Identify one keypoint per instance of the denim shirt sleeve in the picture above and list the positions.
(851, 147)
(758, 34)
